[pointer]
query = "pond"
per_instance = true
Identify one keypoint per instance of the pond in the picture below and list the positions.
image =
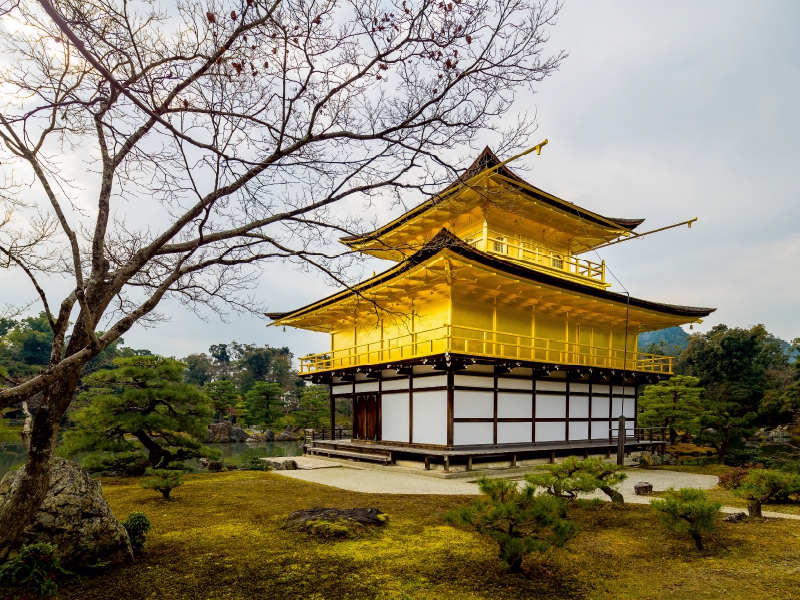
(13, 455)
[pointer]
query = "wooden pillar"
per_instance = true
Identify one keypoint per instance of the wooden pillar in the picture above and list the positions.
(513, 460)
(552, 457)
(446, 463)
(469, 463)
(332, 410)
(621, 434)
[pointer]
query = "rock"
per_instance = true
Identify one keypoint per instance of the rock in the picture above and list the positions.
(643, 488)
(335, 522)
(202, 462)
(269, 435)
(110, 474)
(232, 467)
(75, 517)
(282, 465)
(256, 438)
(238, 434)
(219, 433)
(215, 465)
(735, 517)
(286, 436)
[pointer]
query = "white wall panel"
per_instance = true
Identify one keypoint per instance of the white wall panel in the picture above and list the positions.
(514, 433)
(630, 390)
(395, 384)
(630, 408)
(551, 432)
(600, 406)
(394, 417)
(599, 430)
(469, 404)
(433, 381)
(473, 381)
(367, 386)
(551, 407)
(466, 434)
(430, 417)
(514, 384)
(579, 430)
(551, 386)
(343, 389)
(514, 406)
(601, 388)
(578, 407)
(582, 388)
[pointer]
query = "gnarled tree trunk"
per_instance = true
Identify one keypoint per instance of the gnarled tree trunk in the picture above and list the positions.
(754, 507)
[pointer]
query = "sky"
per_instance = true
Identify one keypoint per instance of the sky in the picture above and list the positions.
(663, 110)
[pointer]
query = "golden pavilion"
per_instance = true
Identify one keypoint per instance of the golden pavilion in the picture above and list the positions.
(490, 335)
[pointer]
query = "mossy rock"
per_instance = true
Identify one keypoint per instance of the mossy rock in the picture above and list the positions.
(336, 522)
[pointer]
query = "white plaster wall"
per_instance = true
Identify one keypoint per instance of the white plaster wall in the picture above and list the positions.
(472, 404)
(343, 389)
(579, 430)
(551, 407)
(433, 381)
(514, 433)
(430, 417)
(514, 406)
(395, 384)
(601, 388)
(630, 408)
(582, 388)
(578, 407)
(551, 432)
(630, 390)
(514, 384)
(600, 406)
(394, 417)
(473, 381)
(367, 386)
(466, 434)
(599, 430)
(551, 386)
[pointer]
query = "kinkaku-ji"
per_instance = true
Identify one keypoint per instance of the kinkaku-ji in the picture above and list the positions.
(492, 337)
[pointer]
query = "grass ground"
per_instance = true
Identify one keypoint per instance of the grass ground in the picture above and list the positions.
(221, 538)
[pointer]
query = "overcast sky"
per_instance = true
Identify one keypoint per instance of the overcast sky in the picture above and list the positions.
(663, 110)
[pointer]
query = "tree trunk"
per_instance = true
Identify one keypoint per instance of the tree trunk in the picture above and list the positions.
(515, 564)
(616, 497)
(20, 507)
(754, 507)
(698, 541)
(26, 429)
(156, 454)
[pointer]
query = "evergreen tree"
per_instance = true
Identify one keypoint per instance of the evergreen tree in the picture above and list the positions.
(687, 510)
(199, 369)
(674, 403)
(223, 396)
(139, 411)
(723, 426)
(313, 409)
(264, 403)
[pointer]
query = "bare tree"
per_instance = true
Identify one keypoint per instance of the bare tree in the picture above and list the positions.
(236, 128)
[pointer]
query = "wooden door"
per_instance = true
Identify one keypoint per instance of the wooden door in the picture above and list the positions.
(365, 412)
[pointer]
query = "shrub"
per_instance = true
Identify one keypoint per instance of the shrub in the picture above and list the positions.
(573, 476)
(519, 520)
(162, 480)
(33, 570)
(742, 456)
(762, 485)
(138, 526)
(255, 464)
(687, 510)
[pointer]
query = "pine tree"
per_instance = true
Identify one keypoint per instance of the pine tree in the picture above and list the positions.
(264, 403)
(223, 396)
(139, 411)
(673, 403)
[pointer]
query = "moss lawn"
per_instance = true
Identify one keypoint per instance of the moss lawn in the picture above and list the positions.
(221, 538)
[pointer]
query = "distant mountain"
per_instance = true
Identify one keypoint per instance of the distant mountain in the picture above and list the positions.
(671, 337)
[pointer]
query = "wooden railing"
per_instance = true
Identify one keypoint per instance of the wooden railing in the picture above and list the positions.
(480, 342)
(537, 255)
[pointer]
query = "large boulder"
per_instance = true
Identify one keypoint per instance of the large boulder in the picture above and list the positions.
(219, 433)
(269, 435)
(75, 517)
(238, 434)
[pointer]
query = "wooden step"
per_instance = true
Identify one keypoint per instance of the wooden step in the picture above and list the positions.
(384, 458)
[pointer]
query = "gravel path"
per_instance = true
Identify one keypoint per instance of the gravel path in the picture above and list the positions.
(385, 481)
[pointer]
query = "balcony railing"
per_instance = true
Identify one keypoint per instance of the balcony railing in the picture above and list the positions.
(480, 342)
(533, 254)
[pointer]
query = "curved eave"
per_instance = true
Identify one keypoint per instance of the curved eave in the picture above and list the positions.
(486, 160)
(445, 240)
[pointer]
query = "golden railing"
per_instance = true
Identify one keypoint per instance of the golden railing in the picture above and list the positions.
(480, 342)
(532, 253)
